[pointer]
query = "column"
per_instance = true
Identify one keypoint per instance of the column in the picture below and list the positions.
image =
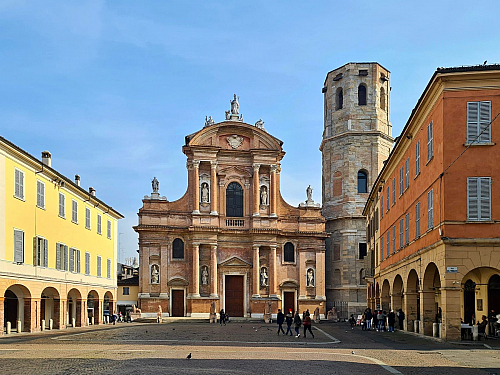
(273, 271)
(256, 195)
(450, 304)
(273, 193)
(81, 314)
(2, 314)
(427, 311)
(196, 270)
(59, 313)
(256, 272)
(320, 275)
(410, 307)
(213, 266)
(196, 177)
(213, 188)
(31, 314)
(302, 274)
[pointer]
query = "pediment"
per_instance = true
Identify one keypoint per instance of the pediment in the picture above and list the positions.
(234, 262)
(177, 281)
(289, 283)
(235, 171)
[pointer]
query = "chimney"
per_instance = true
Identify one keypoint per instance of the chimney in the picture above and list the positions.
(77, 179)
(92, 191)
(47, 158)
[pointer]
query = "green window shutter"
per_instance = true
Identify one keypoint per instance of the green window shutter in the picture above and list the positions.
(18, 246)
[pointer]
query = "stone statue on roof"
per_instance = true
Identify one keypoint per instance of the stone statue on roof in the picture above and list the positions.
(235, 106)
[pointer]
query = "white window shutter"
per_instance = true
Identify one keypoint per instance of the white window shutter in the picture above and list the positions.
(18, 246)
(484, 121)
(430, 209)
(39, 193)
(472, 198)
(45, 253)
(417, 220)
(472, 121)
(485, 198)
(17, 184)
(388, 242)
(417, 158)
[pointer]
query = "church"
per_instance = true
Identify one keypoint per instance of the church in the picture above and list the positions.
(231, 241)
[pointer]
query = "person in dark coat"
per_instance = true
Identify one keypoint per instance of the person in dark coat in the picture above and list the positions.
(297, 322)
(391, 320)
(401, 318)
(307, 324)
(289, 321)
(280, 319)
(375, 319)
(368, 317)
(222, 318)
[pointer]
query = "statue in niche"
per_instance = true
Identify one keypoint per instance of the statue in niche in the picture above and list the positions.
(155, 274)
(235, 106)
(309, 192)
(204, 192)
(204, 275)
(155, 184)
(263, 196)
(310, 277)
(264, 277)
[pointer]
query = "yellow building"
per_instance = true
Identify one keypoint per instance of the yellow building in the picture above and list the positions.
(58, 246)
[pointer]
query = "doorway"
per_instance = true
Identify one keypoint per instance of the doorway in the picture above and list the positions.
(234, 295)
(288, 302)
(177, 302)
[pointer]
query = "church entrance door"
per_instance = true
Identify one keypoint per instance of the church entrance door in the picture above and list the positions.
(234, 295)
(177, 302)
(288, 302)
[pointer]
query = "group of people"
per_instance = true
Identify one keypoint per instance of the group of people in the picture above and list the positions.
(380, 320)
(296, 321)
(492, 322)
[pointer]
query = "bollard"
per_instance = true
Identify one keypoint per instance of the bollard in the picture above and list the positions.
(92, 320)
(440, 329)
(409, 325)
(475, 333)
(51, 324)
(73, 322)
(435, 329)
(9, 327)
(416, 326)
(43, 325)
(19, 327)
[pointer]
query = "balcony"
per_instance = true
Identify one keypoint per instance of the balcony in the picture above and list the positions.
(235, 223)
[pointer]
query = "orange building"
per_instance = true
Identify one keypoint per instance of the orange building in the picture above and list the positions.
(434, 245)
(231, 242)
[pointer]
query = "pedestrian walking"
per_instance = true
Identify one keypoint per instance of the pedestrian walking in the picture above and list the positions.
(375, 320)
(297, 322)
(307, 324)
(280, 319)
(391, 320)
(222, 317)
(401, 318)
(380, 319)
(363, 322)
(289, 321)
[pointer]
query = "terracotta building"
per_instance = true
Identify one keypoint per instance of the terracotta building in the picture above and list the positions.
(433, 212)
(356, 140)
(231, 239)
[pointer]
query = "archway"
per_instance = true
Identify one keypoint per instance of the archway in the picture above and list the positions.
(17, 308)
(430, 298)
(397, 293)
(50, 308)
(108, 304)
(75, 309)
(494, 293)
(469, 301)
(93, 312)
(386, 296)
(412, 302)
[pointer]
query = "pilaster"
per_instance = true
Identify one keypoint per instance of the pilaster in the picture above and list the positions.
(256, 272)
(273, 190)
(213, 266)
(196, 173)
(213, 188)
(196, 270)
(273, 271)
(256, 197)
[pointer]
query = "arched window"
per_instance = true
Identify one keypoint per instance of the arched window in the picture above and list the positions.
(362, 182)
(289, 252)
(178, 249)
(234, 200)
(382, 98)
(339, 98)
(361, 94)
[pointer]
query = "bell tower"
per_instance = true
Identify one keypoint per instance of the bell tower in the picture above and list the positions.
(357, 138)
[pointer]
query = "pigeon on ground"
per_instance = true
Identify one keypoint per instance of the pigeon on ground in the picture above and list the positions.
(146, 331)
(189, 356)
(352, 352)
(173, 329)
(255, 330)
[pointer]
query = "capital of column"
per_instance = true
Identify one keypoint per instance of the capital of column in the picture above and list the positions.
(274, 168)
(256, 247)
(196, 163)
(213, 247)
(256, 167)
(214, 164)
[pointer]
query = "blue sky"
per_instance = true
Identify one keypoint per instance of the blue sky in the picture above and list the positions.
(112, 87)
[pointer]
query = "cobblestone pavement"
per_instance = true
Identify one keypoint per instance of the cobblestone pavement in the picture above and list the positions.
(238, 348)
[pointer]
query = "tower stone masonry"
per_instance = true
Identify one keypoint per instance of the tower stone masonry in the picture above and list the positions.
(356, 141)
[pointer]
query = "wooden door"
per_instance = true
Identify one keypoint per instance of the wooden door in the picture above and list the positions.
(177, 303)
(288, 302)
(234, 295)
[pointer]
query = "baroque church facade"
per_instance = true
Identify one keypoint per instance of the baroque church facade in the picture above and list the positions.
(356, 141)
(231, 242)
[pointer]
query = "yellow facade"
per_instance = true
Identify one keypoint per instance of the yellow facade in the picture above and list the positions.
(30, 203)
